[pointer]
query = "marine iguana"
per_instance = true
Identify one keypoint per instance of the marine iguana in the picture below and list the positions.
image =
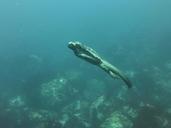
(88, 54)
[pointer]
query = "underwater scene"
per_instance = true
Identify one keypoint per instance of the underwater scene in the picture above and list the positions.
(85, 64)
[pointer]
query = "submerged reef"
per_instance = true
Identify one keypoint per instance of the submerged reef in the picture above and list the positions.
(117, 120)
(69, 100)
(53, 92)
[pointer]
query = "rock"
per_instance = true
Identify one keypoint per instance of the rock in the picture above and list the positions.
(117, 120)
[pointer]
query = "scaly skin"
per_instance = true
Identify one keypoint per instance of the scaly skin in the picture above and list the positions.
(88, 54)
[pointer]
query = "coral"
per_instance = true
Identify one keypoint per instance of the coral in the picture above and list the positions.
(117, 120)
(130, 111)
(54, 91)
(16, 102)
(98, 102)
(40, 115)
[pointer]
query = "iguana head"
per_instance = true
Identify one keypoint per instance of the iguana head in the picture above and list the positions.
(74, 45)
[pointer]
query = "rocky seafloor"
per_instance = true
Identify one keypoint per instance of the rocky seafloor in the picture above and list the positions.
(70, 101)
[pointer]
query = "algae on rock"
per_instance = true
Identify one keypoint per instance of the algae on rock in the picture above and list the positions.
(117, 120)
